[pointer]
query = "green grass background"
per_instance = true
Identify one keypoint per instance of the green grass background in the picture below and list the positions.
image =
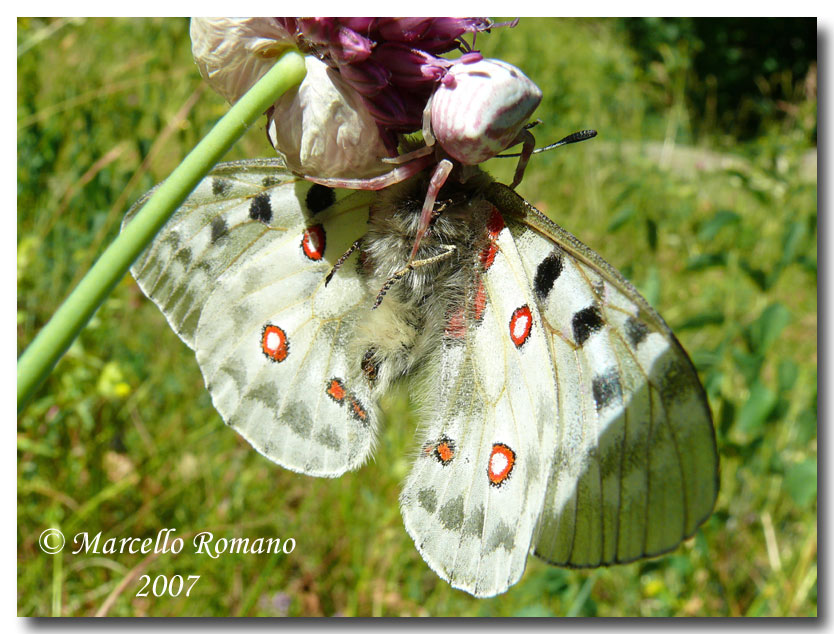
(707, 203)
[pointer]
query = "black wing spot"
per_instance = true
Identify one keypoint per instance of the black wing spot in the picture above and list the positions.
(220, 186)
(585, 323)
(183, 256)
(260, 209)
(547, 272)
(427, 498)
(218, 229)
(319, 198)
(636, 331)
(607, 389)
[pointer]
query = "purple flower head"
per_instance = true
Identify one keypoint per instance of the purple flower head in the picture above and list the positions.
(368, 80)
(392, 62)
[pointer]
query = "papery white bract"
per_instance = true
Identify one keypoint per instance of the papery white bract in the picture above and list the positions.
(234, 53)
(321, 128)
(562, 417)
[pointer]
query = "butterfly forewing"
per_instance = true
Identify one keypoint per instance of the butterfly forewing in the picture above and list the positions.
(635, 464)
(207, 235)
(239, 272)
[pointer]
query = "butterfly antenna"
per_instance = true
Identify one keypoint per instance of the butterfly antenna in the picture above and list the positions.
(576, 137)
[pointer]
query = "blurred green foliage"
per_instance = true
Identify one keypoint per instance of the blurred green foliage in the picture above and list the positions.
(701, 188)
(745, 73)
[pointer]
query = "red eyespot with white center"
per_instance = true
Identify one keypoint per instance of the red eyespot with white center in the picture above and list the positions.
(520, 325)
(274, 343)
(313, 242)
(501, 462)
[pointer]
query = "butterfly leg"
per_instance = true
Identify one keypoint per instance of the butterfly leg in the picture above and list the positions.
(412, 264)
(356, 244)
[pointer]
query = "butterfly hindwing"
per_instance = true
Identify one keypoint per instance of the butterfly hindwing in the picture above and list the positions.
(473, 498)
(239, 271)
(635, 464)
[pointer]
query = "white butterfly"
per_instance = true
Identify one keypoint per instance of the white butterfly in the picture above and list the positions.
(560, 414)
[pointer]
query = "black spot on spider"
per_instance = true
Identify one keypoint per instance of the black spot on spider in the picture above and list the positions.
(319, 198)
(220, 186)
(585, 323)
(547, 272)
(636, 331)
(607, 389)
(218, 229)
(260, 209)
(269, 181)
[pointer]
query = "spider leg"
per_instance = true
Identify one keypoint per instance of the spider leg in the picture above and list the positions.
(529, 141)
(441, 173)
(408, 156)
(396, 175)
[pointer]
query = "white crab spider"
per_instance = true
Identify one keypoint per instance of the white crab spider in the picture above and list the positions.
(478, 110)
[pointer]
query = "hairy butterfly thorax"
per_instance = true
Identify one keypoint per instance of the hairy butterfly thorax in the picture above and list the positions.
(419, 302)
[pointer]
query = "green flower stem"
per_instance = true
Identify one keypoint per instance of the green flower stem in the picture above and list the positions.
(36, 362)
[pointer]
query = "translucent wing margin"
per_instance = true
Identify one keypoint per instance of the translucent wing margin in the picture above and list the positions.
(239, 273)
(634, 465)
